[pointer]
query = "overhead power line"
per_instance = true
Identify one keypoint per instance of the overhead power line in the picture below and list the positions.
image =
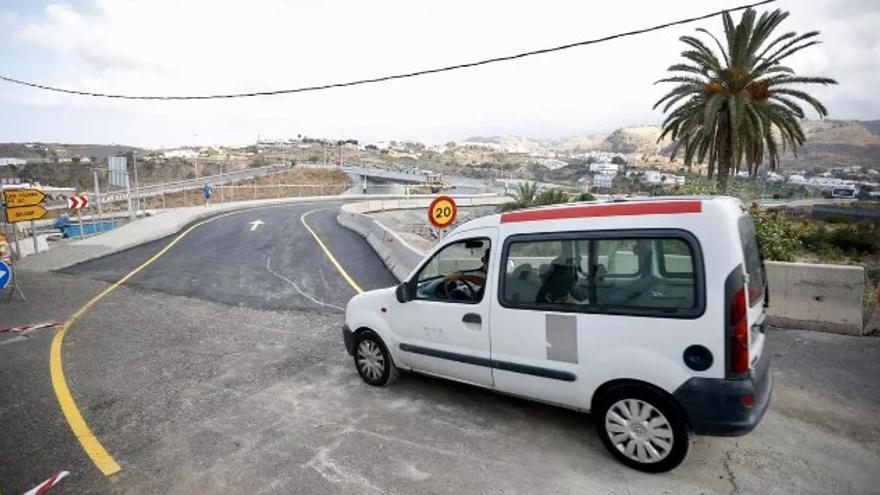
(385, 78)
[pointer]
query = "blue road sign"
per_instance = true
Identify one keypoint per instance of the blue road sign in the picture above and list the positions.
(5, 275)
(207, 190)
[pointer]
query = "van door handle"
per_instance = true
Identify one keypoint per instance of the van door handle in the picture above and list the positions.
(472, 318)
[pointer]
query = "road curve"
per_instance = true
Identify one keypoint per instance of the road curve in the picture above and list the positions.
(261, 259)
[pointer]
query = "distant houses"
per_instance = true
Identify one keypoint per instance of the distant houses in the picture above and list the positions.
(181, 153)
(4, 162)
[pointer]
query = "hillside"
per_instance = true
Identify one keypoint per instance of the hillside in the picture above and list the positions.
(837, 143)
(830, 143)
(50, 150)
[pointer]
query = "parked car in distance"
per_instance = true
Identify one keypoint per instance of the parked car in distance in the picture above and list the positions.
(649, 314)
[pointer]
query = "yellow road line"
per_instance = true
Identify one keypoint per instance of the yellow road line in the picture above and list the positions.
(330, 256)
(92, 446)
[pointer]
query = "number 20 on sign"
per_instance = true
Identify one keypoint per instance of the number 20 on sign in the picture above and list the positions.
(442, 212)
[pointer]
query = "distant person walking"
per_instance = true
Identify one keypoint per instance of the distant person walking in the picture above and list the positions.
(208, 191)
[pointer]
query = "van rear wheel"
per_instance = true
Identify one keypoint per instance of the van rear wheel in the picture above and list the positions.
(372, 360)
(643, 428)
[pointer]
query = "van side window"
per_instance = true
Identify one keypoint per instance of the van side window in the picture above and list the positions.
(645, 273)
(456, 273)
(641, 274)
(547, 272)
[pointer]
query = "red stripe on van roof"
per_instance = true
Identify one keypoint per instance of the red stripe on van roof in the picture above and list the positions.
(604, 210)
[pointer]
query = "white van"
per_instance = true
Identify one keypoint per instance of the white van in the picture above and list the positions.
(649, 314)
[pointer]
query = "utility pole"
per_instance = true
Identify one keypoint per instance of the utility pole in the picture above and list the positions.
(137, 189)
(196, 159)
(131, 213)
(222, 198)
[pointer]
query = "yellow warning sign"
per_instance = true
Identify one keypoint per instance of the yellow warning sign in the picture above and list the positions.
(24, 213)
(23, 197)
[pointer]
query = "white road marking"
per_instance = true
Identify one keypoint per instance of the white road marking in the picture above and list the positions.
(255, 224)
(296, 287)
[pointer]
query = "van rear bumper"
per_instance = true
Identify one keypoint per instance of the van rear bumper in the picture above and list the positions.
(715, 406)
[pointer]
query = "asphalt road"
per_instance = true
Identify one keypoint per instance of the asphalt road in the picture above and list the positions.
(210, 373)
(275, 265)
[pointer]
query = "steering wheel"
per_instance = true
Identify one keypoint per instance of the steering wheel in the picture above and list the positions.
(453, 288)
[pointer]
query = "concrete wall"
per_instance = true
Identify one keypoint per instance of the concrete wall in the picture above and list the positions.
(816, 297)
(399, 256)
(802, 295)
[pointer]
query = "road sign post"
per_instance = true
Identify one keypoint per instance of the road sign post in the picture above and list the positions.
(34, 236)
(77, 203)
(23, 205)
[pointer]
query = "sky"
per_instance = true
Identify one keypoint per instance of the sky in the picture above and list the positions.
(219, 46)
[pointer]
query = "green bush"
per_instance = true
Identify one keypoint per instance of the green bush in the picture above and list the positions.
(859, 239)
(552, 197)
(853, 240)
(779, 238)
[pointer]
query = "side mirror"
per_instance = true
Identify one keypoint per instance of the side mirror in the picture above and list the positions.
(402, 292)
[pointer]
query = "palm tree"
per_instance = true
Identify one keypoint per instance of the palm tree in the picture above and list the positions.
(735, 108)
(525, 196)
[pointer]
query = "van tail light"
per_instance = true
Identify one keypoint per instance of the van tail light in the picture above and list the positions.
(736, 324)
(739, 337)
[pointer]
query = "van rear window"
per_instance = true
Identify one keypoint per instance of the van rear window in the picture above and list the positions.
(752, 256)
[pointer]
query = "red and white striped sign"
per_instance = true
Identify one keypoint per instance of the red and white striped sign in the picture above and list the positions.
(28, 328)
(77, 202)
(49, 483)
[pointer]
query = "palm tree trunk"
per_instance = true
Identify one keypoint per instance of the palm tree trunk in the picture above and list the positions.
(724, 149)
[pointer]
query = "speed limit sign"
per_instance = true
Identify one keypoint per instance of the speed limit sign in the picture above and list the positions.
(442, 212)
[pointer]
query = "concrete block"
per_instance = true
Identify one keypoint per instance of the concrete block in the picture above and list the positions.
(816, 297)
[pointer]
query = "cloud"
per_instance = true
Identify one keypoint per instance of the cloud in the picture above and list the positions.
(202, 46)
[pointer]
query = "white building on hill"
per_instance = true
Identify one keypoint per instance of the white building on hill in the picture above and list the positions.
(552, 163)
(180, 153)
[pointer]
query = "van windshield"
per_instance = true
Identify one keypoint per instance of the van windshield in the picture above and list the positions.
(752, 257)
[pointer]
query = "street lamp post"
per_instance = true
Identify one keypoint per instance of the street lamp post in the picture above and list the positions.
(95, 171)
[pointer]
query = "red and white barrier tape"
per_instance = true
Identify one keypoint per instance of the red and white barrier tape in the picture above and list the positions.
(49, 483)
(28, 328)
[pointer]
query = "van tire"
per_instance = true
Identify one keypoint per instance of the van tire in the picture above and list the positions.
(646, 436)
(372, 360)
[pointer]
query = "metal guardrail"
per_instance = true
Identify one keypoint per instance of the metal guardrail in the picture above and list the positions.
(151, 190)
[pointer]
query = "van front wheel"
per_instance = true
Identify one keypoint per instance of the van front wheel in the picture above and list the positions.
(372, 360)
(642, 428)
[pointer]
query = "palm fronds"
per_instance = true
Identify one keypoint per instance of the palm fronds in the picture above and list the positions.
(736, 105)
